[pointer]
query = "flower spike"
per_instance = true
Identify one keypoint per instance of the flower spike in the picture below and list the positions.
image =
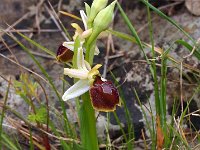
(103, 94)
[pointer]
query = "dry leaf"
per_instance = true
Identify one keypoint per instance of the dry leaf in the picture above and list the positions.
(159, 134)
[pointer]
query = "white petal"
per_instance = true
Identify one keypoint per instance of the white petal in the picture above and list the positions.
(103, 79)
(80, 59)
(69, 45)
(84, 18)
(76, 90)
(76, 73)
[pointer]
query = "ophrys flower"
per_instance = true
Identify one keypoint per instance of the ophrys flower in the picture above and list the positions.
(104, 95)
(84, 72)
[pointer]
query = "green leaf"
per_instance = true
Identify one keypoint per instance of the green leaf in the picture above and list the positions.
(40, 116)
(3, 113)
(189, 47)
(122, 35)
(7, 142)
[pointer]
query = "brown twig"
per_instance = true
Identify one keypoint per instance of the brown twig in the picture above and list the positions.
(9, 49)
(55, 17)
(59, 6)
(32, 30)
(24, 68)
(42, 55)
(16, 22)
(37, 14)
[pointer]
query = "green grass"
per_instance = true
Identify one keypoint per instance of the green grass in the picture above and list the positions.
(72, 136)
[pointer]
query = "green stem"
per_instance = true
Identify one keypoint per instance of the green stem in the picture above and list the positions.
(154, 73)
(88, 124)
(90, 47)
(86, 112)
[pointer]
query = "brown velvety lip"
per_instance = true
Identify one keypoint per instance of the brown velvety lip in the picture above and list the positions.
(64, 54)
(104, 95)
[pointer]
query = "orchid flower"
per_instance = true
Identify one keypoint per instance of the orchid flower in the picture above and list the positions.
(104, 95)
(83, 34)
(84, 73)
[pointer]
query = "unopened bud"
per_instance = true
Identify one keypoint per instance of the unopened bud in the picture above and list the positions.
(104, 18)
(96, 7)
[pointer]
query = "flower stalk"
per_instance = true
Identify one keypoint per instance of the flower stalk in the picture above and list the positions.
(96, 93)
(88, 124)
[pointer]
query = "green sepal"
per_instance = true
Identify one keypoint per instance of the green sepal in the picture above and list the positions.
(87, 9)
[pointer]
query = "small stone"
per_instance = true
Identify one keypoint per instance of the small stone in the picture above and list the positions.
(193, 6)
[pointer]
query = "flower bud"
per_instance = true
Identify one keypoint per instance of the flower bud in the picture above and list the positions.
(104, 18)
(96, 7)
(64, 54)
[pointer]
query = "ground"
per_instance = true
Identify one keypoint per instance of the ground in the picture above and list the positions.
(126, 62)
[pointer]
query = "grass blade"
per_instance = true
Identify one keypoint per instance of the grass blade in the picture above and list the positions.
(167, 18)
(3, 112)
(37, 45)
(189, 47)
(66, 122)
(7, 142)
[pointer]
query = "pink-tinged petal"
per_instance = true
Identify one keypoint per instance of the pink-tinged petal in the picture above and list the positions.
(86, 33)
(104, 95)
(64, 54)
(76, 90)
